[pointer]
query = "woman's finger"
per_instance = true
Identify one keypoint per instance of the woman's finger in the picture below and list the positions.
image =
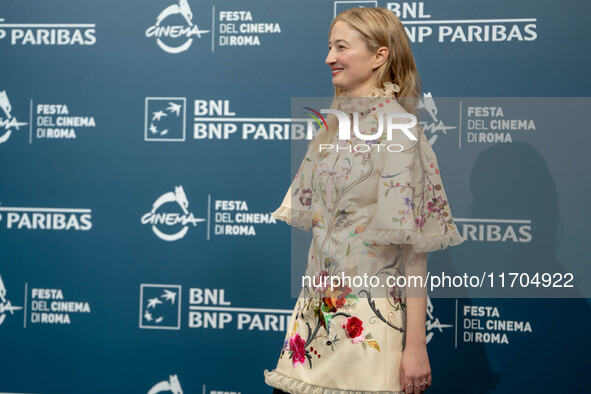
(402, 379)
(423, 385)
(417, 385)
(404, 382)
(410, 388)
(426, 382)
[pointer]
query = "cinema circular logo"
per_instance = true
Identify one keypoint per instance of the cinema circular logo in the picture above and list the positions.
(167, 32)
(170, 217)
(7, 121)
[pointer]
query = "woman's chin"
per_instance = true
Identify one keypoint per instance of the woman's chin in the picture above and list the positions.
(337, 84)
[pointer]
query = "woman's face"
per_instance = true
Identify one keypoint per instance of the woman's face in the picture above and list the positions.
(350, 60)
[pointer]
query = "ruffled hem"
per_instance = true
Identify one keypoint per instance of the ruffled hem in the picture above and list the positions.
(420, 242)
(293, 386)
(294, 217)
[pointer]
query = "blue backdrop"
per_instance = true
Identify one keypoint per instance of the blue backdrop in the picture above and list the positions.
(143, 145)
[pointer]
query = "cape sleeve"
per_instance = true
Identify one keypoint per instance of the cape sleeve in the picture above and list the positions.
(412, 206)
(295, 209)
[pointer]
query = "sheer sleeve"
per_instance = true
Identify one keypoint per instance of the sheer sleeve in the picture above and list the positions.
(412, 206)
(295, 209)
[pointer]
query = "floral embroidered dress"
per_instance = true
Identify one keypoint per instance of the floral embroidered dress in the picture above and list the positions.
(362, 204)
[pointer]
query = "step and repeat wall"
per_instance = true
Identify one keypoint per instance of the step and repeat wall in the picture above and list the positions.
(143, 145)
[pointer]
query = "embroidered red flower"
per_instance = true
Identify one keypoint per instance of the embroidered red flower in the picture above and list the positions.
(353, 327)
(395, 294)
(306, 197)
(420, 221)
(335, 299)
(436, 205)
(296, 346)
(334, 303)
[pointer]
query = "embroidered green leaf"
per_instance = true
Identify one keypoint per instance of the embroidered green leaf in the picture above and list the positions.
(373, 344)
(348, 249)
(327, 318)
(351, 295)
(368, 336)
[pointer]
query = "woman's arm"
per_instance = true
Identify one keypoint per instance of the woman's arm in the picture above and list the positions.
(416, 310)
(415, 266)
(414, 366)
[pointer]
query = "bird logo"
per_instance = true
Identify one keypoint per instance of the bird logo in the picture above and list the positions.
(173, 110)
(151, 315)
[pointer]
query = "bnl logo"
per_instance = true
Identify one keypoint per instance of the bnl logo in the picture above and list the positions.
(165, 119)
(160, 306)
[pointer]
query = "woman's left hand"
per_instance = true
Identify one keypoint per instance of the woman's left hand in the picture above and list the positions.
(415, 371)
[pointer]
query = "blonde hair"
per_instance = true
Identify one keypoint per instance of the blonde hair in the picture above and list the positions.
(380, 28)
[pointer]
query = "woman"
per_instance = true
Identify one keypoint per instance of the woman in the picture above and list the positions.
(376, 206)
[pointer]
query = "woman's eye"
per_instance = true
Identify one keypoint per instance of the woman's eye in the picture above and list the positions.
(341, 47)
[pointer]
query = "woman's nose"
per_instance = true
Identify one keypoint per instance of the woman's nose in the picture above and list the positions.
(330, 58)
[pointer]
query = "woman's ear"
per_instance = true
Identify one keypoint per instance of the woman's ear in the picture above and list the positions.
(381, 56)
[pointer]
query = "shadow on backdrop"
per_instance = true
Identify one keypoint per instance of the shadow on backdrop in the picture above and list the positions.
(513, 181)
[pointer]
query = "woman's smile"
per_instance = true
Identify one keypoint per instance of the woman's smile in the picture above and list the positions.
(336, 70)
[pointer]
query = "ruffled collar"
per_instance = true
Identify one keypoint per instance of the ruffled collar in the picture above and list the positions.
(374, 99)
